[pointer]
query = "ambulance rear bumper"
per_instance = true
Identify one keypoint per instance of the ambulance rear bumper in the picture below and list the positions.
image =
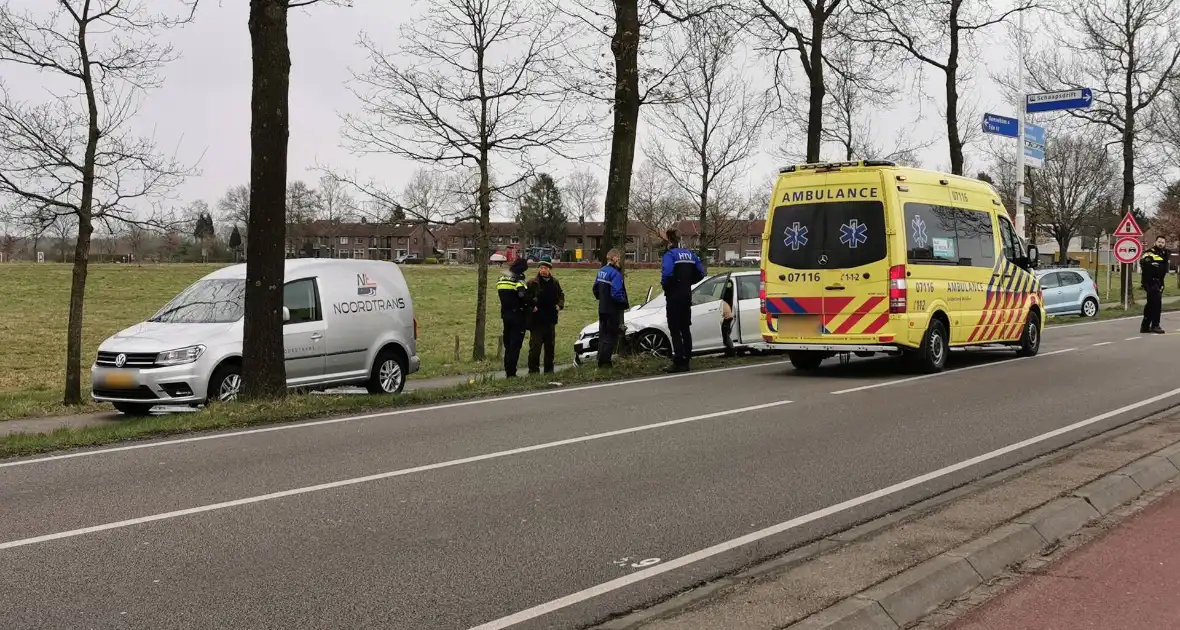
(815, 347)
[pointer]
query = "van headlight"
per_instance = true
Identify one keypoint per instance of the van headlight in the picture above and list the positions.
(180, 356)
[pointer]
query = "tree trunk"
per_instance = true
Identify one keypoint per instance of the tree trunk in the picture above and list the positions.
(815, 112)
(703, 229)
(625, 49)
(482, 253)
(1128, 171)
(952, 95)
(73, 384)
(262, 344)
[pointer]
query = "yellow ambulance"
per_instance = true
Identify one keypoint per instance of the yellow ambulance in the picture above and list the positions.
(869, 257)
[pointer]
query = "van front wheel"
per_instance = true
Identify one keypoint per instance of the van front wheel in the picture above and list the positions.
(1030, 338)
(931, 357)
(388, 375)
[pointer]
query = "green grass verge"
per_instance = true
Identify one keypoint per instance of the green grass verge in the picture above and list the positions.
(36, 300)
(305, 407)
(1113, 312)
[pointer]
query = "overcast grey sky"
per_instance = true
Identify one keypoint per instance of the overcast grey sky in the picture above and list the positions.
(204, 106)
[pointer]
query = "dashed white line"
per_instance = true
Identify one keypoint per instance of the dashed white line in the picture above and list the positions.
(1103, 343)
(946, 373)
(377, 477)
(382, 414)
(729, 545)
(1132, 338)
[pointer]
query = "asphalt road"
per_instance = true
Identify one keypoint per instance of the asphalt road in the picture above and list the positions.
(553, 510)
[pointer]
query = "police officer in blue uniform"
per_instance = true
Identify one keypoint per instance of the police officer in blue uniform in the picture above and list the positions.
(682, 269)
(611, 293)
(1154, 264)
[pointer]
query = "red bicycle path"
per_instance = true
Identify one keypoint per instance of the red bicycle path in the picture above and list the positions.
(1127, 578)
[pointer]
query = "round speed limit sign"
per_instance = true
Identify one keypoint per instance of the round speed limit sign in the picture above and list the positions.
(1127, 250)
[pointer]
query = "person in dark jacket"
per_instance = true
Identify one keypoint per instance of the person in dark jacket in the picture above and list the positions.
(1154, 264)
(548, 299)
(682, 269)
(611, 293)
(514, 310)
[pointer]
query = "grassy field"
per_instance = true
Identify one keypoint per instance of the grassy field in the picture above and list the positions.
(36, 299)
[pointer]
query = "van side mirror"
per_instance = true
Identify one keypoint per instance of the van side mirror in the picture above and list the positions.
(286, 314)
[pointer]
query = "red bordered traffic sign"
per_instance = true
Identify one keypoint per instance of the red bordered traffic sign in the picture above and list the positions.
(1128, 227)
(1128, 249)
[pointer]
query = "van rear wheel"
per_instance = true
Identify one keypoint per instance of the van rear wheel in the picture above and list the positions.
(931, 357)
(388, 375)
(806, 360)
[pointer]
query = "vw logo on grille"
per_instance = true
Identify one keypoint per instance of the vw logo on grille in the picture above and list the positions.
(120, 360)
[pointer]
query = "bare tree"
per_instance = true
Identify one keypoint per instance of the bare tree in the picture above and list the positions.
(938, 34)
(717, 127)
(468, 87)
(581, 190)
(302, 202)
(803, 30)
(654, 201)
(1127, 52)
(635, 29)
(234, 205)
(1078, 177)
(334, 206)
(266, 229)
(73, 156)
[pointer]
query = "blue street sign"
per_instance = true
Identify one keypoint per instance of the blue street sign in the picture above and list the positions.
(1055, 101)
(1034, 146)
(1000, 125)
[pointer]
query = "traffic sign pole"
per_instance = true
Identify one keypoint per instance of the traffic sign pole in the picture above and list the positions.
(1020, 131)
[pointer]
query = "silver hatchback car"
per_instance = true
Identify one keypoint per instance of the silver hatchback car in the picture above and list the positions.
(1069, 291)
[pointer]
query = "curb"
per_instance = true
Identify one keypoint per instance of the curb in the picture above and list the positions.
(910, 595)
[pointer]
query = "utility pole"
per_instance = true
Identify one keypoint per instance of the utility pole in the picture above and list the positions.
(1021, 106)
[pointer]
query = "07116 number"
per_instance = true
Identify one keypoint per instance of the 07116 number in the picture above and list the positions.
(807, 276)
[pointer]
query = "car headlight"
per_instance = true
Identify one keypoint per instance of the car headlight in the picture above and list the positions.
(180, 356)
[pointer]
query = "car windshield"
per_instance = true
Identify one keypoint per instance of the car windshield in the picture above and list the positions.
(206, 302)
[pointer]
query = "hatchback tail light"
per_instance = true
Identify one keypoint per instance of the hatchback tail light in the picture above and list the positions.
(897, 289)
(415, 329)
(762, 290)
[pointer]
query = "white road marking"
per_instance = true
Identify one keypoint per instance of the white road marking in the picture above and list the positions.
(729, 545)
(1104, 321)
(382, 414)
(1132, 338)
(947, 372)
(1103, 343)
(377, 477)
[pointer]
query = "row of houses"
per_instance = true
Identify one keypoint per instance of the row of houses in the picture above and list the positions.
(456, 243)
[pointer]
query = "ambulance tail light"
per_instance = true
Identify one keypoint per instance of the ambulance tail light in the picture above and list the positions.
(762, 290)
(897, 289)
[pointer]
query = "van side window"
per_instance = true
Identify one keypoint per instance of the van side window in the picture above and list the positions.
(930, 233)
(303, 301)
(976, 237)
(1012, 247)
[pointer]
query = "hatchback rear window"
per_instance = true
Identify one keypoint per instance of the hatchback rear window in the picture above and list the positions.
(837, 235)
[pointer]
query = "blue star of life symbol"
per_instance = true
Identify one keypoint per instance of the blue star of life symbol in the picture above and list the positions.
(919, 231)
(853, 233)
(796, 236)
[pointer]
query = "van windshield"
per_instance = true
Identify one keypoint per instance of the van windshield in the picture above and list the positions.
(206, 302)
(835, 235)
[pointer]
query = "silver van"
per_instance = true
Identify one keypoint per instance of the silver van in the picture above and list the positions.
(346, 322)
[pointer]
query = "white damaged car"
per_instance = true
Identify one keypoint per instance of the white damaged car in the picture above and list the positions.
(647, 325)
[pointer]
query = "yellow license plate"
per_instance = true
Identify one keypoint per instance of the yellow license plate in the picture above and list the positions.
(119, 380)
(801, 326)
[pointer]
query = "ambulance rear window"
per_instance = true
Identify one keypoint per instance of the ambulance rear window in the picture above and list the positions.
(833, 235)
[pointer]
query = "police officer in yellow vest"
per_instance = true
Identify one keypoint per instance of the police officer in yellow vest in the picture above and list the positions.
(1155, 270)
(514, 310)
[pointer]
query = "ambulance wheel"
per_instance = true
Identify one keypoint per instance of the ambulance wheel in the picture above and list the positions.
(931, 357)
(1030, 338)
(806, 361)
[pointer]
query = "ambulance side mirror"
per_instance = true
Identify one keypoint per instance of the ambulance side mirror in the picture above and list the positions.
(1034, 257)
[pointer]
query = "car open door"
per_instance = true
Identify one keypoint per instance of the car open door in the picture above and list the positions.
(706, 313)
(747, 310)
